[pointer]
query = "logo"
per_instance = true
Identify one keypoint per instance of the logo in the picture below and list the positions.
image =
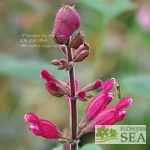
(120, 134)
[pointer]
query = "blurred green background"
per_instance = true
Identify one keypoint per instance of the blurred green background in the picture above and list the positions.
(118, 32)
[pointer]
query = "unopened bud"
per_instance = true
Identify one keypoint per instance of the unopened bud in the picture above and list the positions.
(81, 53)
(81, 96)
(82, 56)
(66, 22)
(46, 75)
(78, 51)
(55, 89)
(93, 86)
(77, 41)
(55, 62)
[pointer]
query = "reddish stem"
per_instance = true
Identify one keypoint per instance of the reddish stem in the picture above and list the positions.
(73, 101)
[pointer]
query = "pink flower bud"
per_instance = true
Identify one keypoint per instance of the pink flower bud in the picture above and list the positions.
(55, 89)
(124, 102)
(93, 86)
(49, 77)
(108, 85)
(81, 56)
(66, 22)
(46, 75)
(55, 62)
(81, 96)
(82, 52)
(41, 127)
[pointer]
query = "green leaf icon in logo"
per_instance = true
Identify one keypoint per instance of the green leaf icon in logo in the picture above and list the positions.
(102, 132)
(113, 133)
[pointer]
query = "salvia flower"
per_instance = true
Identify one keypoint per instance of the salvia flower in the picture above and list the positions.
(53, 85)
(93, 86)
(110, 116)
(55, 89)
(66, 22)
(98, 103)
(41, 127)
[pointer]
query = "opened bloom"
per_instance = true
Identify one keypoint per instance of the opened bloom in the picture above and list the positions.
(98, 103)
(41, 127)
(66, 22)
(110, 116)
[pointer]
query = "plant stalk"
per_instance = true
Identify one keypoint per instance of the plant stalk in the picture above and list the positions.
(73, 101)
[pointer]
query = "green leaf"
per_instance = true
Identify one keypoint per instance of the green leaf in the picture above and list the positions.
(27, 69)
(58, 148)
(90, 147)
(110, 8)
(137, 85)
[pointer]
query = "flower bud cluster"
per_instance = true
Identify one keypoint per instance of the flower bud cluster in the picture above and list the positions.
(54, 86)
(62, 64)
(41, 127)
(96, 112)
(83, 95)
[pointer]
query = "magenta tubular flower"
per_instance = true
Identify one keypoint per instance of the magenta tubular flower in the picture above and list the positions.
(113, 114)
(98, 103)
(110, 116)
(66, 22)
(101, 100)
(41, 127)
(108, 85)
